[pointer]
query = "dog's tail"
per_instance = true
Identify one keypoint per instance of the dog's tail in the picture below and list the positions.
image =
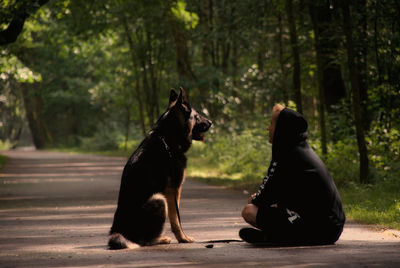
(118, 241)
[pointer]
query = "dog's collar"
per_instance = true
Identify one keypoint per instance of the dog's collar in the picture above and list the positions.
(165, 145)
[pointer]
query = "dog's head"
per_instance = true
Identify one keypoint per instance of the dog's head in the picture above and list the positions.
(192, 124)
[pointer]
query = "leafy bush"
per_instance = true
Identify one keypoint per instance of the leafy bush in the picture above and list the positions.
(384, 148)
(342, 162)
(5, 145)
(3, 160)
(101, 141)
(245, 155)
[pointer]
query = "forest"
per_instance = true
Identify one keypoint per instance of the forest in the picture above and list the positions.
(96, 75)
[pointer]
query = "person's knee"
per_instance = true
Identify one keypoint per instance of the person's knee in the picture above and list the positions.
(249, 213)
(245, 212)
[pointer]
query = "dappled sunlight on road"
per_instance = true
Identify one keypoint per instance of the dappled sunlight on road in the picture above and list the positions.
(56, 210)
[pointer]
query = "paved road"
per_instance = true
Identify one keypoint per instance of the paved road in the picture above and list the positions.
(56, 210)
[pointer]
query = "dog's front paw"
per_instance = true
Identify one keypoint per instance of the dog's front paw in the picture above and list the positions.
(163, 240)
(186, 239)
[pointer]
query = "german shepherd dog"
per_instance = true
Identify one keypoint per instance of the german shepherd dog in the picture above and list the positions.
(152, 179)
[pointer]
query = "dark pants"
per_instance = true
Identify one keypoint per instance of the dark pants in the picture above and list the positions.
(286, 227)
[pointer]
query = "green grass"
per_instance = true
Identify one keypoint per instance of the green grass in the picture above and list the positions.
(202, 169)
(377, 204)
(373, 204)
(3, 160)
(77, 150)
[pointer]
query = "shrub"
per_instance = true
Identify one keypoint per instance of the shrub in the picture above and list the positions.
(101, 141)
(3, 160)
(342, 162)
(246, 154)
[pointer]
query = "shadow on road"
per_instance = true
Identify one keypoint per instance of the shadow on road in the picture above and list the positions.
(56, 210)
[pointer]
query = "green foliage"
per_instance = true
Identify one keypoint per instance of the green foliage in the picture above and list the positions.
(240, 161)
(239, 158)
(100, 141)
(190, 19)
(3, 160)
(384, 146)
(12, 113)
(374, 204)
(12, 68)
(342, 161)
(245, 155)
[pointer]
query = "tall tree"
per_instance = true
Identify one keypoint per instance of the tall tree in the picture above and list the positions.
(177, 18)
(284, 86)
(296, 55)
(321, 106)
(33, 106)
(15, 20)
(327, 44)
(204, 26)
(355, 85)
(138, 92)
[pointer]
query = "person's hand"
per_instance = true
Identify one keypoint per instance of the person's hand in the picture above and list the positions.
(251, 198)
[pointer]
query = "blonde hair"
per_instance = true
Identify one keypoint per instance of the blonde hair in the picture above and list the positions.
(277, 108)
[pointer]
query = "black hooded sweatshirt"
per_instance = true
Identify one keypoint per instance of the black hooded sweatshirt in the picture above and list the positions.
(297, 178)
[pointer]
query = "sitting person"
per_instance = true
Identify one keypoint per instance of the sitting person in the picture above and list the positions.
(297, 203)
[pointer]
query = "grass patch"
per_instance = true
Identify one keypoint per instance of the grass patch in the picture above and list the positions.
(201, 169)
(3, 160)
(77, 150)
(373, 204)
(377, 203)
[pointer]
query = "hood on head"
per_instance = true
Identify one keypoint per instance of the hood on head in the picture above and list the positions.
(290, 130)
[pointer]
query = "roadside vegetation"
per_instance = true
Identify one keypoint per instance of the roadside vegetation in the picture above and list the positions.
(3, 160)
(240, 162)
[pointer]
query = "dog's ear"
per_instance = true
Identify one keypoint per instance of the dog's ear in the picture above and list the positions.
(173, 96)
(182, 98)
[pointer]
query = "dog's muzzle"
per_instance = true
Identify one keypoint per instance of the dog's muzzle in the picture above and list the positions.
(200, 129)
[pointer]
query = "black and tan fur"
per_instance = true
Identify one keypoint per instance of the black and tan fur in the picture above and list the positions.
(152, 179)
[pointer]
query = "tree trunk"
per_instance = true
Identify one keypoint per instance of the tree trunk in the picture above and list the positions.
(204, 17)
(211, 38)
(326, 43)
(40, 135)
(281, 62)
(141, 55)
(154, 89)
(320, 81)
(14, 28)
(296, 55)
(361, 58)
(261, 56)
(226, 49)
(235, 68)
(234, 58)
(354, 75)
(147, 92)
(204, 24)
(183, 64)
(321, 107)
(127, 126)
(137, 84)
(376, 45)
(139, 100)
